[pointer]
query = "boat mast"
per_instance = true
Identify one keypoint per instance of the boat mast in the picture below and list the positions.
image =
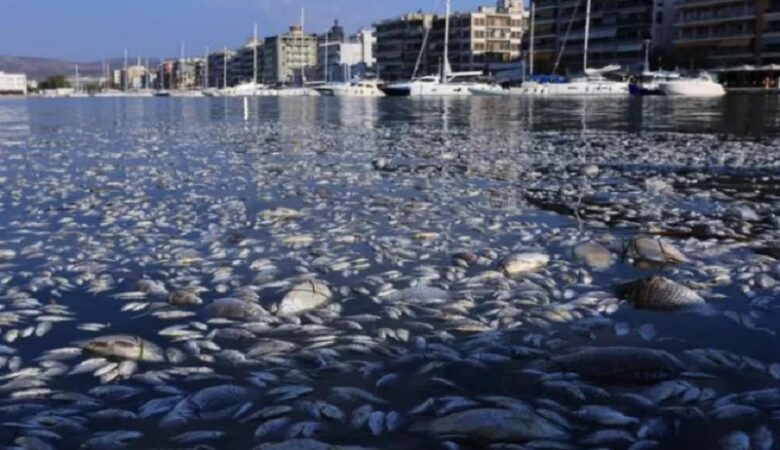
(206, 70)
(254, 66)
(224, 69)
(124, 81)
(303, 47)
(587, 37)
(327, 50)
(180, 81)
(445, 70)
(78, 83)
(533, 31)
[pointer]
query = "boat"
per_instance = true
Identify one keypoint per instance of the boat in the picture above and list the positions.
(360, 88)
(701, 86)
(593, 82)
(455, 84)
(448, 84)
(649, 82)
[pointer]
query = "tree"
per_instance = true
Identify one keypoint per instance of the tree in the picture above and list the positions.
(54, 82)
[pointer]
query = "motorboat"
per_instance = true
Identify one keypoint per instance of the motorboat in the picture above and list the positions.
(649, 82)
(447, 84)
(455, 84)
(361, 88)
(592, 84)
(701, 86)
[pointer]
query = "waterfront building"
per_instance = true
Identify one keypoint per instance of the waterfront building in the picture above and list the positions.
(343, 58)
(489, 35)
(187, 73)
(477, 40)
(135, 77)
(401, 46)
(13, 83)
(241, 66)
(727, 33)
(619, 34)
(219, 63)
(290, 58)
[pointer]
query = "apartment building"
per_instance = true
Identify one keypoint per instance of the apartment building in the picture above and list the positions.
(479, 38)
(290, 58)
(342, 58)
(620, 31)
(401, 46)
(12, 83)
(722, 33)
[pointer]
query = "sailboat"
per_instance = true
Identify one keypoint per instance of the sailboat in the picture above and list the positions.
(449, 83)
(592, 83)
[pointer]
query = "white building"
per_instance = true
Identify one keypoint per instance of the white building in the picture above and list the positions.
(11, 83)
(347, 59)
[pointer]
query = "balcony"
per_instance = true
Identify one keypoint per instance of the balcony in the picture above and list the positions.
(723, 15)
(685, 4)
(722, 36)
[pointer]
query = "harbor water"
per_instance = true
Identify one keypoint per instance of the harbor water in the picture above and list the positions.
(390, 273)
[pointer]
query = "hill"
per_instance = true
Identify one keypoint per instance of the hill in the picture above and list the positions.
(40, 68)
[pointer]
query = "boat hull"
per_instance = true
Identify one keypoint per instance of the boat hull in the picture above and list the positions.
(692, 88)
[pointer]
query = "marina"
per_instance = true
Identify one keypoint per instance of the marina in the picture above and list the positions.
(389, 273)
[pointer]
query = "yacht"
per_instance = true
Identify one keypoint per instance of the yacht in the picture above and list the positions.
(362, 88)
(701, 86)
(453, 84)
(649, 82)
(593, 83)
(448, 84)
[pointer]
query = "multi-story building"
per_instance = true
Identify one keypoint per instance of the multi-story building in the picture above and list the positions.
(241, 66)
(720, 33)
(134, 77)
(343, 58)
(401, 46)
(479, 38)
(12, 83)
(620, 31)
(290, 58)
(186, 73)
(218, 73)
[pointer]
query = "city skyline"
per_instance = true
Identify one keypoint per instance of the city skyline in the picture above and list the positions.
(89, 30)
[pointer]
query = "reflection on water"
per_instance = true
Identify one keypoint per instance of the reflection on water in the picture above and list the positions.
(733, 114)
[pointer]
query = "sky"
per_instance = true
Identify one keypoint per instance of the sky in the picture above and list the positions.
(91, 30)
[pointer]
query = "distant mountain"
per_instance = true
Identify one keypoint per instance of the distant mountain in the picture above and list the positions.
(40, 68)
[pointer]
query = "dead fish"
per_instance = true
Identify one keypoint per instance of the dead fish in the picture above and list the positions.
(619, 364)
(521, 263)
(495, 425)
(653, 251)
(603, 415)
(304, 297)
(209, 404)
(111, 440)
(129, 347)
(593, 255)
(234, 309)
(659, 293)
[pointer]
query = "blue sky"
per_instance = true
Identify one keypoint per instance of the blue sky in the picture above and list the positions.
(87, 30)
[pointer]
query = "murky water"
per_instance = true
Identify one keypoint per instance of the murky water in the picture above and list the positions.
(429, 251)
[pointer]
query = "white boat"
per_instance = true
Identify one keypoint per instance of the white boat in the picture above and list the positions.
(362, 88)
(455, 84)
(701, 86)
(449, 84)
(592, 84)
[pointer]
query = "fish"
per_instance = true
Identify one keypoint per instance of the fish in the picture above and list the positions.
(128, 347)
(659, 293)
(209, 404)
(495, 425)
(619, 364)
